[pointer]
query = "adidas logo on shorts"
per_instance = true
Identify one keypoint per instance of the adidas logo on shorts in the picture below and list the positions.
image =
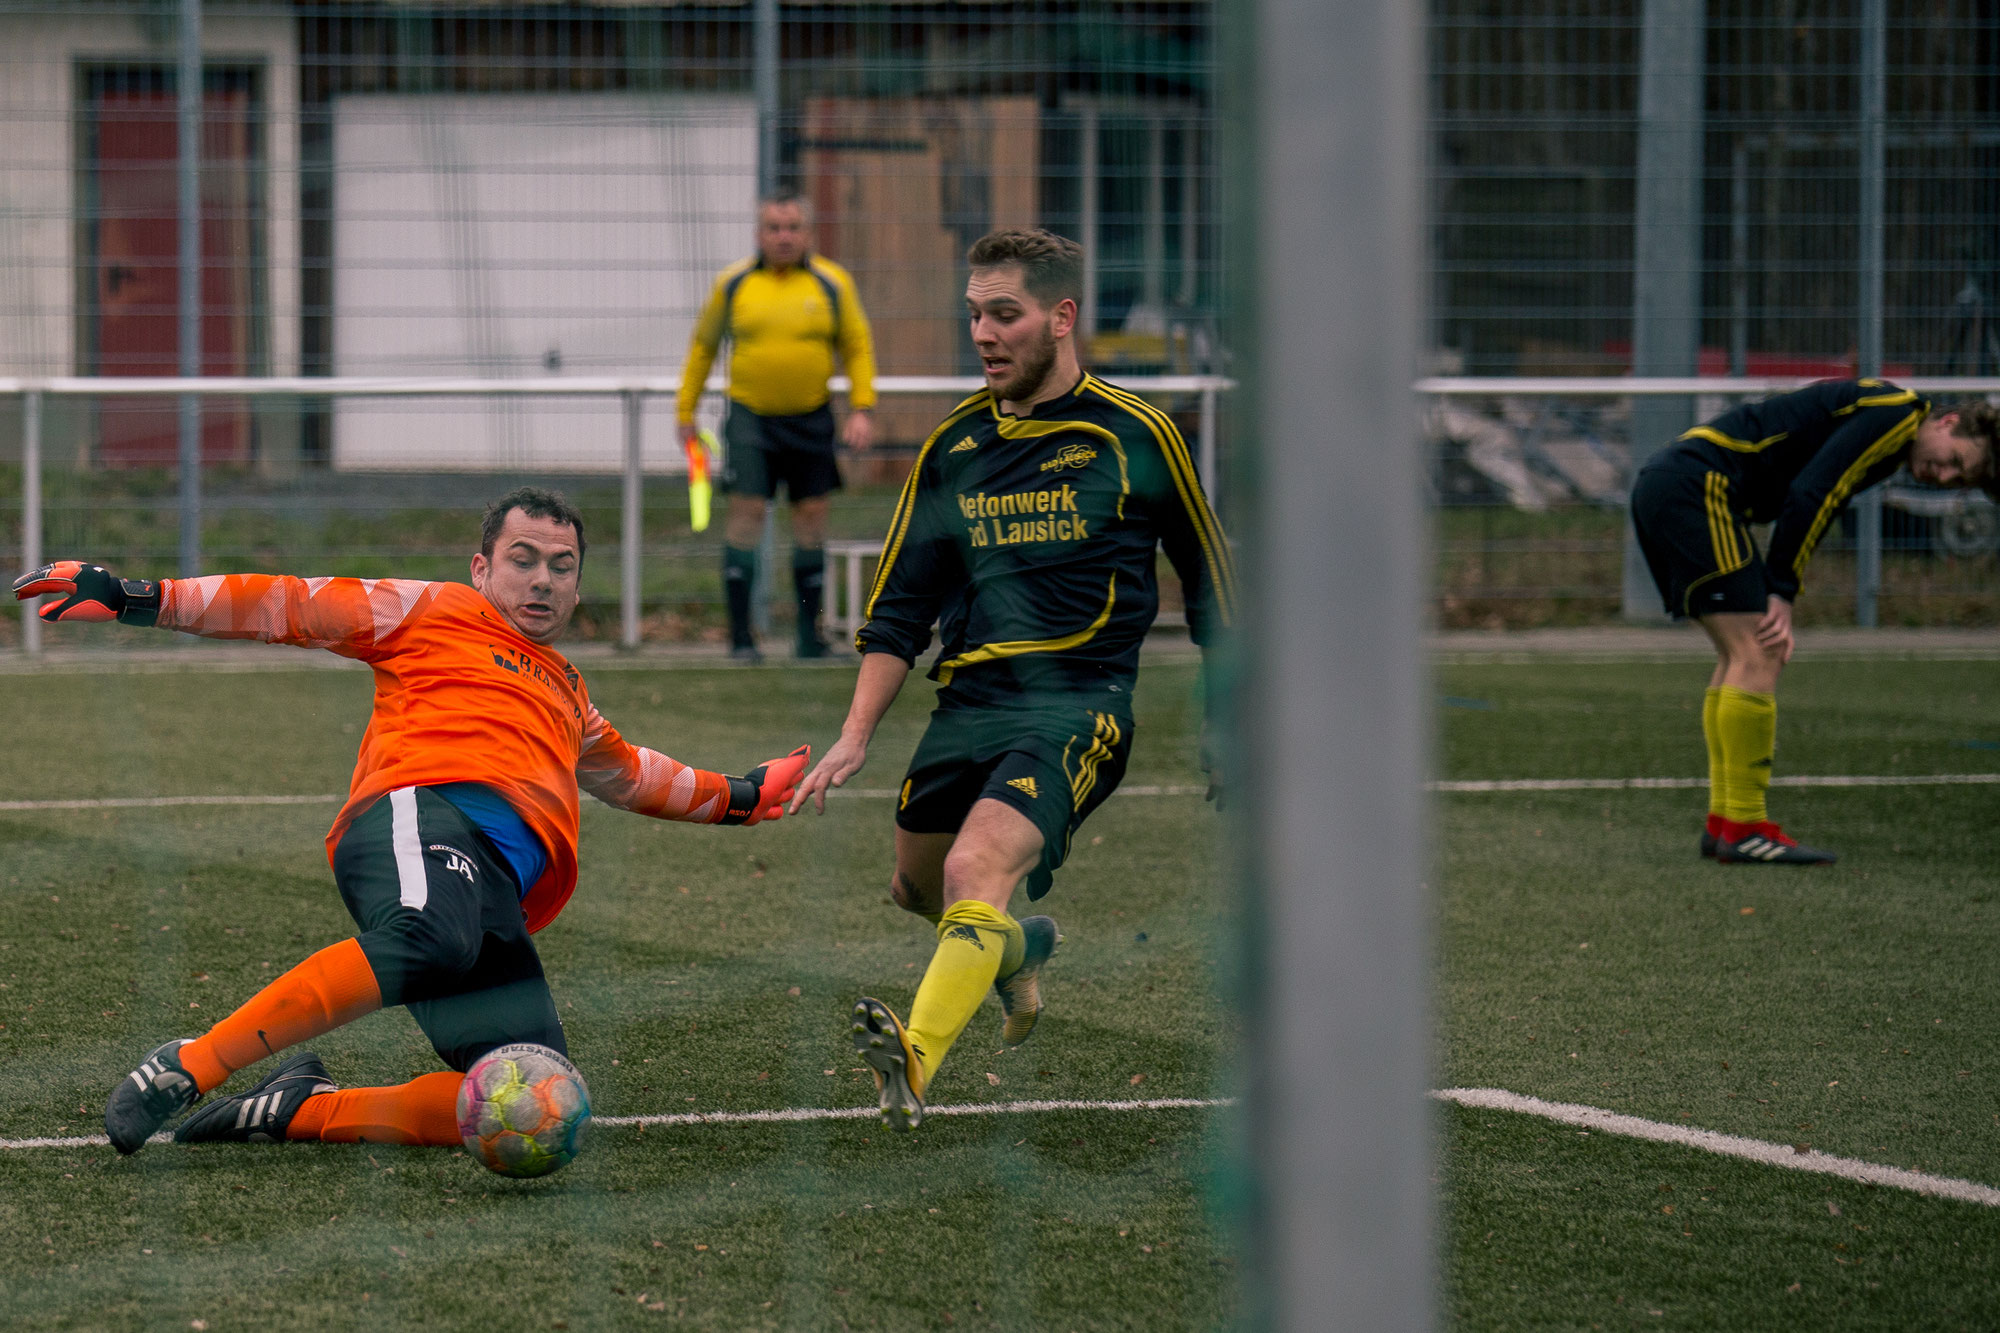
(1025, 784)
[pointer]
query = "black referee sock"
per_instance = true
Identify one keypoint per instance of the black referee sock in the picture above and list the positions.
(739, 575)
(809, 578)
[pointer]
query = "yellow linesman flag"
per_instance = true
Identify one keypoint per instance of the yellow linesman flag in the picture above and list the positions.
(700, 451)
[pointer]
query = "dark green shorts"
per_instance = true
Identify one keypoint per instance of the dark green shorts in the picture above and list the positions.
(441, 925)
(1695, 535)
(1054, 765)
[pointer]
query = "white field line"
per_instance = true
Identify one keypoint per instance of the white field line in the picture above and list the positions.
(147, 802)
(1640, 784)
(791, 1116)
(1726, 1145)
(1473, 787)
(870, 1112)
(1483, 1099)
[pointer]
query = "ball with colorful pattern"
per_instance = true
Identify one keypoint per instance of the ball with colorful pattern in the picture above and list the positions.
(522, 1109)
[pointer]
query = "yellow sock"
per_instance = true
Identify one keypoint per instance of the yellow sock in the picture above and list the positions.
(975, 945)
(1711, 733)
(1747, 721)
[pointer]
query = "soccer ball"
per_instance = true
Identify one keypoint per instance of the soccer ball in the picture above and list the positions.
(522, 1109)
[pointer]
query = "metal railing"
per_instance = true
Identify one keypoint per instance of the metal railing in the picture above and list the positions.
(1637, 582)
(631, 392)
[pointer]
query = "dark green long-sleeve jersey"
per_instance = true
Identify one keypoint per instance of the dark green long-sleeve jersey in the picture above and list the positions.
(1796, 459)
(1031, 542)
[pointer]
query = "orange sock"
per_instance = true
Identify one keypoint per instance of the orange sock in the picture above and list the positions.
(334, 986)
(422, 1112)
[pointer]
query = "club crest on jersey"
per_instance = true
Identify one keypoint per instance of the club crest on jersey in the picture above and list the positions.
(964, 446)
(1070, 455)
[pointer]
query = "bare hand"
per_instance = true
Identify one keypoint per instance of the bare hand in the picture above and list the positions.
(858, 433)
(840, 763)
(1774, 628)
(690, 433)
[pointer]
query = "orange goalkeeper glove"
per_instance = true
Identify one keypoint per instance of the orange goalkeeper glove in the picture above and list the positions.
(90, 593)
(761, 793)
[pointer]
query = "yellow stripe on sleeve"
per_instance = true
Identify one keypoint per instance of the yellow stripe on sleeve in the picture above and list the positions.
(1899, 435)
(1222, 570)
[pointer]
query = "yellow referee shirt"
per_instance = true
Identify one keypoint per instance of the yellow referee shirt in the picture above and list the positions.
(783, 332)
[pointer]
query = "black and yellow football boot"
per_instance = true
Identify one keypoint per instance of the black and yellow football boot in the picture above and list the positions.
(884, 1045)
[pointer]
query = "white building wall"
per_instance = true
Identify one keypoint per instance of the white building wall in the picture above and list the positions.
(39, 57)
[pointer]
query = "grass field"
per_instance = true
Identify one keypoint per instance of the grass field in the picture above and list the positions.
(1586, 955)
(1590, 956)
(697, 969)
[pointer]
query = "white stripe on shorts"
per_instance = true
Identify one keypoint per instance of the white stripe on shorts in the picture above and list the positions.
(409, 845)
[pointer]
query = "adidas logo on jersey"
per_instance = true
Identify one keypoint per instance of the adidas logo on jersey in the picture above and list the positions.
(964, 446)
(1025, 784)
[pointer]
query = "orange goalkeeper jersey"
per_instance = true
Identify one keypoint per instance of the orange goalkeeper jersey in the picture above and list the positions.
(460, 696)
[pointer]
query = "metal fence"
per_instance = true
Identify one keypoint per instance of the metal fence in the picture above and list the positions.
(314, 523)
(1777, 191)
(538, 193)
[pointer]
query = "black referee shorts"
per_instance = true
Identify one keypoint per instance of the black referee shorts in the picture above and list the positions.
(1696, 539)
(441, 924)
(1054, 765)
(764, 451)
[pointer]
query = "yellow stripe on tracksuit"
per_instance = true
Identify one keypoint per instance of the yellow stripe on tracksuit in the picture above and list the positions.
(906, 503)
(1730, 442)
(1102, 743)
(1221, 568)
(1898, 435)
(993, 652)
(1729, 554)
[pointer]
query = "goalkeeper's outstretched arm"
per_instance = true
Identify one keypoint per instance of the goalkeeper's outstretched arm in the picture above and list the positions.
(351, 617)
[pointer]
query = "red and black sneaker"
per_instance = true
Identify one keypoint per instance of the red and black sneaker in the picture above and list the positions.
(1764, 843)
(1711, 835)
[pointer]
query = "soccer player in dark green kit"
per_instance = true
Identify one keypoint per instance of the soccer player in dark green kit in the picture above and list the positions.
(1793, 461)
(1027, 531)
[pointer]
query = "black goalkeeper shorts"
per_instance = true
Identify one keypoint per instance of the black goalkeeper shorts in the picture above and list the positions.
(1696, 539)
(764, 451)
(1054, 765)
(441, 924)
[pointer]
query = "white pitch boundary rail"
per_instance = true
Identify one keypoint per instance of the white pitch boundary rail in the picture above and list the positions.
(632, 393)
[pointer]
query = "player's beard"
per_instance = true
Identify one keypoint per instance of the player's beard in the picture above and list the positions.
(1031, 372)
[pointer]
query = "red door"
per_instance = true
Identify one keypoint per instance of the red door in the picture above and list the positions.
(135, 278)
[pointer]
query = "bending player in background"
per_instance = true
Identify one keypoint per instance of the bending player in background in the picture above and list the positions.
(1029, 525)
(458, 838)
(1793, 461)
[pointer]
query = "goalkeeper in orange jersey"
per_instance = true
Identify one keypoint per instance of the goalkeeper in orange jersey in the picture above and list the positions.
(458, 838)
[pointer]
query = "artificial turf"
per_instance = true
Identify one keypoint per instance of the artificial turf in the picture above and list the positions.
(1590, 955)
(697, 969)
(709, 970)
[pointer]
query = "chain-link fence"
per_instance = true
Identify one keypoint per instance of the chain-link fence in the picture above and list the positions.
(542, 192)
(1540, 153)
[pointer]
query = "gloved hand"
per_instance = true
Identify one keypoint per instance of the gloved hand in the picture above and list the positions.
(761, 793)
(90, 593)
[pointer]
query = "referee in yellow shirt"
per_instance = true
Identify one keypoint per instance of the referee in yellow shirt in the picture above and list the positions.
(785, 312)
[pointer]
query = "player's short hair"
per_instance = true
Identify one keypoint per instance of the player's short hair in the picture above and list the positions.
(1051, 265)
(1980, 420)
(535, 502)
(786, 199)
